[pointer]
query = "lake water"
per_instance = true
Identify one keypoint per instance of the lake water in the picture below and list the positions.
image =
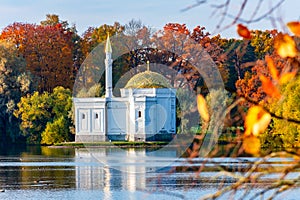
(112, 173)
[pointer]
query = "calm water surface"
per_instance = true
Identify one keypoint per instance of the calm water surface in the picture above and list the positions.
(110, 173)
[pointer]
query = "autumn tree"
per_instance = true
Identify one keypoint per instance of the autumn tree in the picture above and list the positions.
(48, 51)
(185, 49)
(77, 54)
(15, 82)
(94, 36)
(53, 20)
(250, 86)
(263, 42)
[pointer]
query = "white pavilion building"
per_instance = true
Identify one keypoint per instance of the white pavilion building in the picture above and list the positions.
(146, 110)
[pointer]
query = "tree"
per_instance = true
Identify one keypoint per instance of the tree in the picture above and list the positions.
(77, 54)
(263, 42)
(95, 91)
(57, 131)
(94, 36)
(40, 114)
(284, 134)
(48, 51)
(15, 81)
(34, 111)
(53, 20)
(186, 110)
(58, 128)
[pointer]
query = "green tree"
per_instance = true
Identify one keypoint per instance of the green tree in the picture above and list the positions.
(34, 112)
(56, 131)
(284, 134)
(61, 101)
(14, 82)
(40, 114)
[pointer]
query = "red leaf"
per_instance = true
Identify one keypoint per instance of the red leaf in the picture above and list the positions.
(243, 31)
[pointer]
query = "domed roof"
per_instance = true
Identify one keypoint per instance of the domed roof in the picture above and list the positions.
(148, 79)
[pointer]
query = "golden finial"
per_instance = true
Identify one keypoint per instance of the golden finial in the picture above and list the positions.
(108, 45)
(148, 66)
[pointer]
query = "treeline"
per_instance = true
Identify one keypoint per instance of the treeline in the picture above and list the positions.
(39, 64)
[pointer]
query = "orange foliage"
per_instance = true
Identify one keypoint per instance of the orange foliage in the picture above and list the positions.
(47, 50)
(273, 71)
(268, 87)
(181, 28)
(243, 31)
(294, 27)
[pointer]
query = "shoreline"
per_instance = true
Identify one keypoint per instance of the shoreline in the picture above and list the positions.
(117, 144)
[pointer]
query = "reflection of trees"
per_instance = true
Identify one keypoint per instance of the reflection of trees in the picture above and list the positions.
(43, 176)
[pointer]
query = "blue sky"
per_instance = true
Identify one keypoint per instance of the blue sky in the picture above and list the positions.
(154, 13)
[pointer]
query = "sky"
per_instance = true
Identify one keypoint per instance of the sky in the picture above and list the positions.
(153, 13)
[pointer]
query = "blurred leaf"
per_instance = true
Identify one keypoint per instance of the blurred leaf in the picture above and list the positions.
(268, 87)
(273, 71)
(286, 77)
(262, 123)
(202, 108)
(294, 27)
(285, 46)
(251, 145)
(243, 31)
(257, 120)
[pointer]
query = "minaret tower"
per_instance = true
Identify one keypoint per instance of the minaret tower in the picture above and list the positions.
(108, 69)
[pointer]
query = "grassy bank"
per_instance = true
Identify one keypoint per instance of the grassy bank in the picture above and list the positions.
(111, 144)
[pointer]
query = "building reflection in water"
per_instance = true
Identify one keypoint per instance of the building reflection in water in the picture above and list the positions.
(116, 169)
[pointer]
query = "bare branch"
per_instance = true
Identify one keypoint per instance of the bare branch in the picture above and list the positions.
(198, 3)
(224, 12)
(271, 113)
(242, 20)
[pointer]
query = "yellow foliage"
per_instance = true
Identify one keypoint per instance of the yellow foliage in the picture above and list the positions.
(202, 108)
(251, 145)
(286, 77)
(285, 46)
(257, 120)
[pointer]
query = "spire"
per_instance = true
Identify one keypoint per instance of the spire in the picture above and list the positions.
(108, 45)
(108, 69)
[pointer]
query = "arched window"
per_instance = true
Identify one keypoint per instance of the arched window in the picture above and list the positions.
(140, 114)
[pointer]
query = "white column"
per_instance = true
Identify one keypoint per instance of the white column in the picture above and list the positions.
(108, 69)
